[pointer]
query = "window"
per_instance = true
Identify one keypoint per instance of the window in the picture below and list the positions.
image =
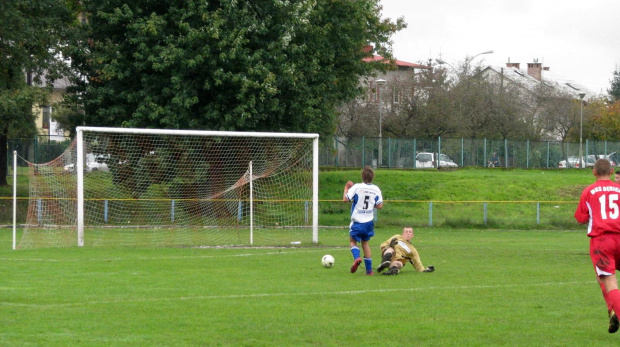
(396, 95)
(47, 111)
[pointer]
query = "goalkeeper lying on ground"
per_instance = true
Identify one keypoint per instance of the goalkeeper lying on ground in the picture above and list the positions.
(397, 250)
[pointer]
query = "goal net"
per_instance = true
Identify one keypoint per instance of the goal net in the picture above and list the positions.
(147, 187)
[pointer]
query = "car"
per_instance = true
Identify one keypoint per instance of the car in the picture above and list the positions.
(93, 163)
(614, 157)
(427, 160)
(574, 162)
(610, 157)
(589, 162)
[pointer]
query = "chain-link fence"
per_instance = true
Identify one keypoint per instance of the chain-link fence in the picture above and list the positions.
(402, 153)
(39, 149)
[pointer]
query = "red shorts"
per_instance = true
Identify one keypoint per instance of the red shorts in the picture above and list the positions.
(605, 253)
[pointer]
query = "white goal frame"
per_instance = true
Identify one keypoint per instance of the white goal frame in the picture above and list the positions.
(80, 163)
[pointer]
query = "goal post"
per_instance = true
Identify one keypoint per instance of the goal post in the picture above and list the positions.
(178, 187)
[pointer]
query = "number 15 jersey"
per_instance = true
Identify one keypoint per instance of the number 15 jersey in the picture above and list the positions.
(600, 207)
(365, 197)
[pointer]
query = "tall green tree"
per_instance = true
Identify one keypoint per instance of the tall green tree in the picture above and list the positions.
(614, 90)
(33, 34)
(264, 65)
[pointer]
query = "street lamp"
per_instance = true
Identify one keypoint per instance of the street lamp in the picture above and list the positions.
(442, 62)
(467, 61)
(487, 52)
(581, 159)
(379, 83)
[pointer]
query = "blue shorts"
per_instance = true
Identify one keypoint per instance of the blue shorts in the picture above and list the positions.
(362, 231)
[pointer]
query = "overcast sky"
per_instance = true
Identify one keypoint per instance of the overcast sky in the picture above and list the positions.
(579, 40)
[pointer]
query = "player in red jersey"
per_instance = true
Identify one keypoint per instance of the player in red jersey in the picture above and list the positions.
(599, 206)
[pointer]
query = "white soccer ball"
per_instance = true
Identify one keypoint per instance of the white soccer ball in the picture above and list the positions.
(328, 261)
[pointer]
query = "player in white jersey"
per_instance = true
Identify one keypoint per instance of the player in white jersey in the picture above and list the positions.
(365, 197)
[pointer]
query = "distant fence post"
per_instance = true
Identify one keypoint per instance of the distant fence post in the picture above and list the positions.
(438, 151)
(364, 151)
(306, 211)
(172, 210)
(336, 151)
(527, 154)
(430, 214)
(484, 159)
(548, 149)
(105, 211)
(462, 151)
(506, 152)
(389, 152)
(239, 211)
(415, 149)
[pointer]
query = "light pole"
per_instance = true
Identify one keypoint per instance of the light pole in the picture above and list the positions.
(467, 60)
(581, 158)
(442, 62)
(379, 83)
(486, 52)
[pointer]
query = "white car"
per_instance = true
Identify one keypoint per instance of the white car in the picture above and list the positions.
(427, 160)
(92, 163)
(574, 162)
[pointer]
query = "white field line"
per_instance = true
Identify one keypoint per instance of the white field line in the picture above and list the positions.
(269, 295)
(281, 252)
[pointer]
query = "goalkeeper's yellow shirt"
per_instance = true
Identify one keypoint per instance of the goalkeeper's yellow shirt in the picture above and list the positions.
(404, 252)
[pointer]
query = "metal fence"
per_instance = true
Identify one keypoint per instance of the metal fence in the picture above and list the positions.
(394, 152)
(401, 153)
(39, 149)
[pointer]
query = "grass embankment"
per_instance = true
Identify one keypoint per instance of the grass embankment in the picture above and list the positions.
(458, 197)
(514, 198)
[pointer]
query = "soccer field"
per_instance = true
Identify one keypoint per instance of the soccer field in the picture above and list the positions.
(490, 287)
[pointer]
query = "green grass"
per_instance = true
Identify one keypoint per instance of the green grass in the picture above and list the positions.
(491, 287)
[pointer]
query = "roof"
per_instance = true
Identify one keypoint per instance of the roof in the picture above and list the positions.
(398, 63)
(551, 79)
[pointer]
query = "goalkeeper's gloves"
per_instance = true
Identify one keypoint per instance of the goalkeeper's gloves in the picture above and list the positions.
(393, 242)
(430, 268)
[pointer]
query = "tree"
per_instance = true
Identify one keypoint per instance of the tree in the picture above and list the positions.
(604, 124)
(263, 65)
(614, 90)
(32, 37)
(561, 114)
(428, 111)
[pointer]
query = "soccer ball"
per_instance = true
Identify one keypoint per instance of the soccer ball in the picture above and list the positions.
(328, 261)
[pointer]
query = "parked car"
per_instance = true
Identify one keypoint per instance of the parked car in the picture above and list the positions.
(427, 160)
(614, 157)
(93, 163)
(610, 157)
(574, 162)
(589, 162)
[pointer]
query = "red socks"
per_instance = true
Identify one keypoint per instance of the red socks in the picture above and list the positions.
(613, 300)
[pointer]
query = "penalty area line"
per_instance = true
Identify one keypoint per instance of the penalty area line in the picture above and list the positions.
(273, 295)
